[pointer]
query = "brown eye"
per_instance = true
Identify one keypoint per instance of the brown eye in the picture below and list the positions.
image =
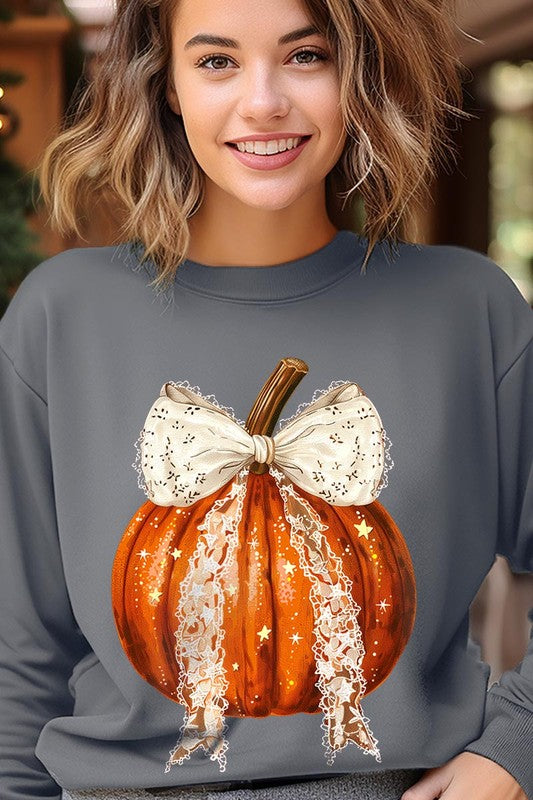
(318, 53)
(203, 61)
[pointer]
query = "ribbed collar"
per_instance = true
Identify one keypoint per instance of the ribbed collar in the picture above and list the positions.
(277, 282)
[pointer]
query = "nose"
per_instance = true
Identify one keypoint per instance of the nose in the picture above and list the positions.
(262, 94)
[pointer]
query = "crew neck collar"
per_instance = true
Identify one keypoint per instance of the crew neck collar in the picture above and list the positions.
(276, 282)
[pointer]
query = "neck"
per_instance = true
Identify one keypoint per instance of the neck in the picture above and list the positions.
(226, 232)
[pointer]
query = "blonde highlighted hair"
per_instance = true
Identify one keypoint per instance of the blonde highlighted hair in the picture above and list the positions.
(399, 79)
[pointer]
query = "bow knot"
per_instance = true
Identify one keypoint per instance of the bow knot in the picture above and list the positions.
(264, 448)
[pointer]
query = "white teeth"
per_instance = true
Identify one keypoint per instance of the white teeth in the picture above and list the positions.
(269, 148)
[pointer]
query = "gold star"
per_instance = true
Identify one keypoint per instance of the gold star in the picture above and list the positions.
(143, 553)
(232, 589)
(235, 666)
(296, 638)
(289, 568)
(263, 633)
(176, 554)
(155, 594)
(383, 605)
(363, 528)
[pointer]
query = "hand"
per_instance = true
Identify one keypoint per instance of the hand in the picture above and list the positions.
(464, 777)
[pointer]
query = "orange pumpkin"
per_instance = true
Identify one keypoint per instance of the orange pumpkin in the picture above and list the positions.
(269, 621)
(276, 674)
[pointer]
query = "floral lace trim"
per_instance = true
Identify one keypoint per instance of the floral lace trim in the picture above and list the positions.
(199, 651)
(338, 646)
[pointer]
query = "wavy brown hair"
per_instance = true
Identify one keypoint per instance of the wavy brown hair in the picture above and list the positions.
(399, 79)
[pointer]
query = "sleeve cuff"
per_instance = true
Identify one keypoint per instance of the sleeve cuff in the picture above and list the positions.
(507, 739)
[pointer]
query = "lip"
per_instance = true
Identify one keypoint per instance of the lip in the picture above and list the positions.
(266, 137)
(268, 162)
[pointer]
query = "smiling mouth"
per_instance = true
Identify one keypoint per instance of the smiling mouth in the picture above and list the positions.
(303, 139)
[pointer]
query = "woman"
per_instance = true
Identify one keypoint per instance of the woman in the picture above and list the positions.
(262, 591)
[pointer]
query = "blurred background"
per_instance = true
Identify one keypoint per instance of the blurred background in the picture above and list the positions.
(49, 49)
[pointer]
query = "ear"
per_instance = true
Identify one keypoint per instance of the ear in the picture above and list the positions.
(172, 97)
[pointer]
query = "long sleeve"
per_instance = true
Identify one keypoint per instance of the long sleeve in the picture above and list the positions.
(507, 737)
(39, 639)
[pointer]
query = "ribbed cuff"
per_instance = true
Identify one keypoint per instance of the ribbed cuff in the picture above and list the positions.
(507, 739)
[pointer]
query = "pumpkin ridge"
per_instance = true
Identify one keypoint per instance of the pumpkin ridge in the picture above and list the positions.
(119, 585)
(270, 691)
(170, 622)
(151, 540)
(402, 557)
(258, 699)
(249, 653)
(128, 622)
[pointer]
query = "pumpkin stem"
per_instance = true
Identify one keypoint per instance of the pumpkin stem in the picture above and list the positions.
(269, 402)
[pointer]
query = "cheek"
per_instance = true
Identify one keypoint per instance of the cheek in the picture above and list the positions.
(205, 114)
(331, 126)
(330, 101)
(323, 103)
(331, 112)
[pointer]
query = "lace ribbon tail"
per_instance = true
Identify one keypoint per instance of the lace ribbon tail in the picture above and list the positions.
(199, 636)
(338, 646)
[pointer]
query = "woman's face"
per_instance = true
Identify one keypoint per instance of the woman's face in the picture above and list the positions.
(226, 91)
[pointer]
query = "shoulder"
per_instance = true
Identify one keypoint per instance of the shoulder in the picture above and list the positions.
(57, 287)
(76, 269)
(74, 275)
(477, 272)
(454, 262)
(472, 289)
(461, 268)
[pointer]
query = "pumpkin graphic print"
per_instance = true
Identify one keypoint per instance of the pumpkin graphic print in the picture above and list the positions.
(262, 576)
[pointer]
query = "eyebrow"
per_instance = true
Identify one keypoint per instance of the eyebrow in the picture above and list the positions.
(224, 41)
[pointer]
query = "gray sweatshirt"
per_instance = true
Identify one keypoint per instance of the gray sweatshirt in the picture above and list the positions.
(243, 521)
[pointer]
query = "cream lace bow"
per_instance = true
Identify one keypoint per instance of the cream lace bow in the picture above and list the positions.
(334, 449)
